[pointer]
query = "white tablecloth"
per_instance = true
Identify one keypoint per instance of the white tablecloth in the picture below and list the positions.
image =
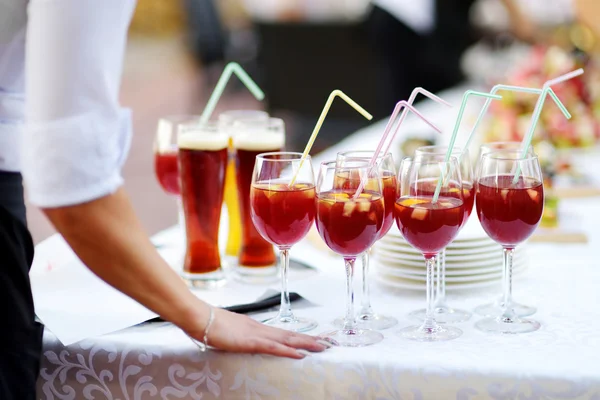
(560, 361)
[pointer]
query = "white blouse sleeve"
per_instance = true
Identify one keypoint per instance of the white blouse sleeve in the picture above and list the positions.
(76, 136)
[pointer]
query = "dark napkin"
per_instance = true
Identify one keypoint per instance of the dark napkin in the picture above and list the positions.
(261, 305)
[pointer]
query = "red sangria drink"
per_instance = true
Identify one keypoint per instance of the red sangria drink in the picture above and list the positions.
(367, 317)
(429, 227)
(496, 308)
(166, 168)
(429, 213)
(349, 222)
(444, 312)
(509, 212)
(283, 215)
(203, 154)
(282, 205)
(509, 202)
(349, 226)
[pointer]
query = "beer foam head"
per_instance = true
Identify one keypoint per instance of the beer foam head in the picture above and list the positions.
(202, 139)
(264, 140)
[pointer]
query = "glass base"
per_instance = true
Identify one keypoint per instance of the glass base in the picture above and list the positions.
(426, 334)
(496, 309)
(291, 323)
(209, 280)
(507, 326)
(256, 275)
(352, 337)
(444, 315)
(375, 322)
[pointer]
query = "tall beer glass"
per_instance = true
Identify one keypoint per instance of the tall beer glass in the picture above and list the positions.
(257, 258)
(203, 154)
(234, 235)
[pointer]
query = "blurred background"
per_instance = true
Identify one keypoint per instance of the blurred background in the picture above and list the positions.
(375, 51)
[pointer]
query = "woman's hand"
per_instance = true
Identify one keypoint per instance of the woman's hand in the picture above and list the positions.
(240, 334)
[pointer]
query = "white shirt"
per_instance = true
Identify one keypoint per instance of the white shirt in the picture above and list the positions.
(419, 15)
(60, 120)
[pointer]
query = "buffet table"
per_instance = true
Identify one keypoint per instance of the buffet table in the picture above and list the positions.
(560, 361)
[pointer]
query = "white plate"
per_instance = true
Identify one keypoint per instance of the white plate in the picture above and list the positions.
(452, 257)
(394, 259)
(384, 268)
(471, 231)
(495, 273)
(400, 283)
(452, 250)
(400, 241)
(479, 239)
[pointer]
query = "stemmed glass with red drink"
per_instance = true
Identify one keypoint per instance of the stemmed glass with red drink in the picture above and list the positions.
(350, 223)
(367, 317)
(283, 212)
(509, 210)
(429, 224)
(166, 161)
(496, 308)
(443, 312)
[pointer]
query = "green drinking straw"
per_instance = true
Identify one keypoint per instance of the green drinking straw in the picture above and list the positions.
(536, 115)
(231, 68)
(461, 111)
(496, 88)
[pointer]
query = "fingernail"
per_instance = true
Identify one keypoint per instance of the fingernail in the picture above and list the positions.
(303, 353)
(325, 343)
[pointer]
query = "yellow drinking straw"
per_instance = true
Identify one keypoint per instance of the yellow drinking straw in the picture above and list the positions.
(313, 137)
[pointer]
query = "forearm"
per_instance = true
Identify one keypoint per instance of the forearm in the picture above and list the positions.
(108, 238)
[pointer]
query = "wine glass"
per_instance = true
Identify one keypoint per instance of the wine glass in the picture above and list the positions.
(282, 205)
(510, 202)
(367, 318)
(166, 162)
(496, 308)
(443, 312)
(429, 213)
(349, 223)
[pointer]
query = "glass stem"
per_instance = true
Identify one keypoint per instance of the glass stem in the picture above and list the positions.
(430, 323)
(440, 300)
(180, 217)
(285, 311)
(366, 309)
(508, 312)
(350, 320)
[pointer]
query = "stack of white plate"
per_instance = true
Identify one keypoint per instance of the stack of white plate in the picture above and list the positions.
(473, 260)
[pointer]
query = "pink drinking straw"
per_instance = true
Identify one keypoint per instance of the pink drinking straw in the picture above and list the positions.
(388, 128)
(416, 91)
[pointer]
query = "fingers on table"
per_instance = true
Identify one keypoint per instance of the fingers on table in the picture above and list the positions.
(272, 347)
(297, 340)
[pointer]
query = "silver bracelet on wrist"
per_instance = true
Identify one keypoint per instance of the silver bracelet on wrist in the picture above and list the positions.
(211, 319)
(204, 344)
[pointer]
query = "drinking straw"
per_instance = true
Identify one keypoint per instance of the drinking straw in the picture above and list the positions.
(496, 88)
(401, 104)
(416, 91)
(536, 115)
(315, 132)
(461, 111)
(231, 68)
